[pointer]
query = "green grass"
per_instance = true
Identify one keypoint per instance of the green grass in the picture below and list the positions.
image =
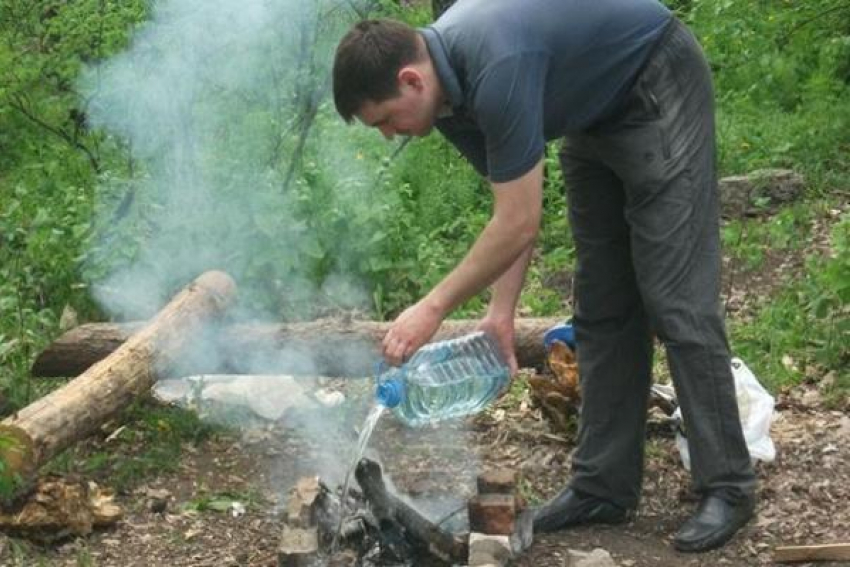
(747, 241)
(517, 392)
(527, 491)
(22, 553)
(222, 501)
(150, 444)
(803, 330)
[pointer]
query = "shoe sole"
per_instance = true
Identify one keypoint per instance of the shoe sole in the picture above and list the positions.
(706, 544)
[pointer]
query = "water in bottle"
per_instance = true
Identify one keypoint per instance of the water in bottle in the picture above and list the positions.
(445, 379)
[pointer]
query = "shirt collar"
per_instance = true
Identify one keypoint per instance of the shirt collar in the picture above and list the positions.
(440, 58)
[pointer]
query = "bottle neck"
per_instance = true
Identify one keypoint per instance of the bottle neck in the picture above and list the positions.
(389, 393)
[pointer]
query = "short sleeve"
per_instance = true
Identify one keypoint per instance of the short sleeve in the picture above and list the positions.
(508, 108)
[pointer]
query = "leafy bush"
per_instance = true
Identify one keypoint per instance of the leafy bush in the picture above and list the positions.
(48, 164)
(781, 75)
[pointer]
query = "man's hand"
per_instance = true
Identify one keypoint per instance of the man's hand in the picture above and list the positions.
(412, 329)
(502, 331)
(504, 245)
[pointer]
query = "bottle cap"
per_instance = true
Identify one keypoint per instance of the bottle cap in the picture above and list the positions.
(389, 393)
(563, 332)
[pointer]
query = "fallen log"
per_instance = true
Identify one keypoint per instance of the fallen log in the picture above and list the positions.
(54, 422)
(78, 348)
(335, 347)
(390, 509)
(759, 192)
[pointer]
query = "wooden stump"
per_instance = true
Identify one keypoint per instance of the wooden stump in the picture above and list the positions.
(49, 425)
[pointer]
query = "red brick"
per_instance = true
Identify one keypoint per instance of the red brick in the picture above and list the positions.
(493, 514)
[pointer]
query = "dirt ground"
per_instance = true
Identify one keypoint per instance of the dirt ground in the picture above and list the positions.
(803, 495)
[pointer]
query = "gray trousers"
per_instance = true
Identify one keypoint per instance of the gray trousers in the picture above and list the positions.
(644, 212)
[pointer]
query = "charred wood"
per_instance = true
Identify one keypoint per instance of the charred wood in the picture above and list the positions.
(395, 515)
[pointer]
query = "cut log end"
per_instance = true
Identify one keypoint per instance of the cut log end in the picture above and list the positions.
(17, 453)
(218, 284)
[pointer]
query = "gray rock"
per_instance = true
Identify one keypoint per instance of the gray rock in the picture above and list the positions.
(596, 558)
(489, 550)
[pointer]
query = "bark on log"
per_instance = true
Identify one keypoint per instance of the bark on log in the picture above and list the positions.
(77, 349)
(337, 347)
(418, 529)
(49, 425)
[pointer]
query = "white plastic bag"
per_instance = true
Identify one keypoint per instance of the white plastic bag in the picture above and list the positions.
(755, 407)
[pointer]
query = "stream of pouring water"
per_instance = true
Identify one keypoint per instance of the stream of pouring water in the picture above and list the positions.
(363, 440)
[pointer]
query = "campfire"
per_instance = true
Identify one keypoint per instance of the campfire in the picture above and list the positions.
(376, 526)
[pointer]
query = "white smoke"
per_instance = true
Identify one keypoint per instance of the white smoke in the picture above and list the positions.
(209, 101)
(207, 110)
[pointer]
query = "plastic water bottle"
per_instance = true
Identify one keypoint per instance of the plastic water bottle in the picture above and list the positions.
(445, 379)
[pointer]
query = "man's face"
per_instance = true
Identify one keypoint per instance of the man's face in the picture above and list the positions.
(410, 113)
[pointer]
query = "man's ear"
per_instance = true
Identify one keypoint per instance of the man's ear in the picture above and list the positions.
(411, 77)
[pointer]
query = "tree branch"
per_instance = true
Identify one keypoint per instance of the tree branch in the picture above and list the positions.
(18, 104)
(784, 39)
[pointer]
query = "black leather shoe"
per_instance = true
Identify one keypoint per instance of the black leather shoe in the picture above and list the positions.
(574, 508)
(714, 523)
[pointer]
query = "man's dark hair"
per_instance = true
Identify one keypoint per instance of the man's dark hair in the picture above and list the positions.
(367, 62)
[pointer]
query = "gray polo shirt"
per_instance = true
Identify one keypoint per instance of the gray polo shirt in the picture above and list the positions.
(520, 72)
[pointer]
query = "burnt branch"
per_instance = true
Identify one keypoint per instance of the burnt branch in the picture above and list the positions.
(392, 513)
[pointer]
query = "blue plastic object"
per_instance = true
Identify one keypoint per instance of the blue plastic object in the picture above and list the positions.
(389, 393)
(563, 332)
